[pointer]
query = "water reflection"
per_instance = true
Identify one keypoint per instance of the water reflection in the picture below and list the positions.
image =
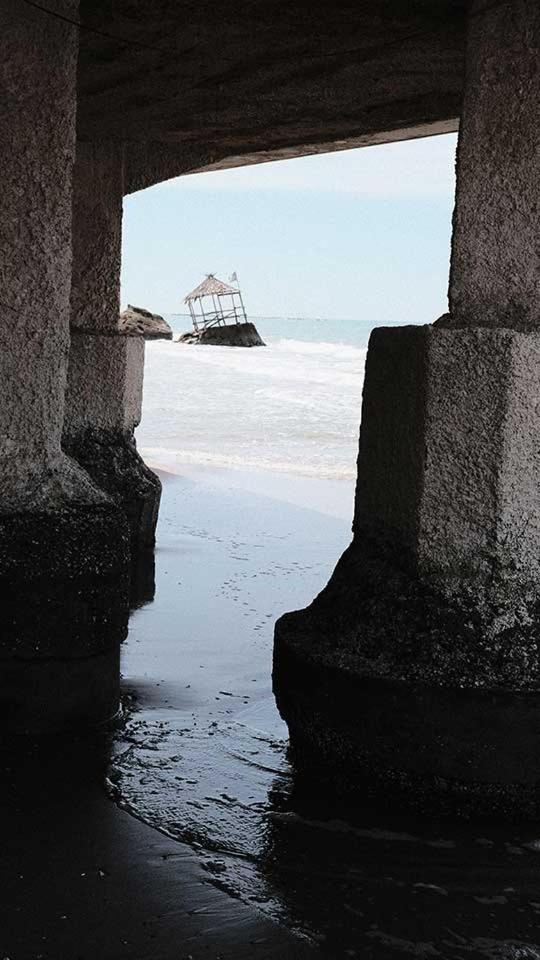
(377, 887)
(203, 758)
(357, 882)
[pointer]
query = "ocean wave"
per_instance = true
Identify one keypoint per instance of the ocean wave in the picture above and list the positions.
(338, 351)
(165, 457)
(290, 407)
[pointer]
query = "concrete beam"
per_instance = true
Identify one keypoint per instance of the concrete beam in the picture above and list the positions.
(150, 163)
(264, 81)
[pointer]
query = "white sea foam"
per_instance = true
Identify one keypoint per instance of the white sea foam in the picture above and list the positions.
(292, 406)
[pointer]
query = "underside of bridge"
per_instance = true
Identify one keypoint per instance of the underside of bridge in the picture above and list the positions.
(417, 671)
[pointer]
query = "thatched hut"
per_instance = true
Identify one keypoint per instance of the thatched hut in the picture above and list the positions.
(218, 316)
(214, 303)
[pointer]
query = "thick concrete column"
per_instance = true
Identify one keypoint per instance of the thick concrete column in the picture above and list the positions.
(416, 672)
(104, 390)
(63, 548)
(495, 271)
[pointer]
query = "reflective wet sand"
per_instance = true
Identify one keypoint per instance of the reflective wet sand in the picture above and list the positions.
(203, 757)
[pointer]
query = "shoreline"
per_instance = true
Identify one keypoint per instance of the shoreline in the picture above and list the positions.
(333, 497)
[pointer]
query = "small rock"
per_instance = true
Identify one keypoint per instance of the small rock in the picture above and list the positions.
(138, 322)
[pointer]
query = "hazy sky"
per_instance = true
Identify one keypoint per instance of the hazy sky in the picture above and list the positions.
(360, 233)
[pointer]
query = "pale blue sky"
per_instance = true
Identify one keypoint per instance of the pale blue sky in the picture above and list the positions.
(361, 233)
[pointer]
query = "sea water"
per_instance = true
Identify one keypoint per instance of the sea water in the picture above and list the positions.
(292, 406)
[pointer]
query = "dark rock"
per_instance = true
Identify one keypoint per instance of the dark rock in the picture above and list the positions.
(228, 335)
(138, 322)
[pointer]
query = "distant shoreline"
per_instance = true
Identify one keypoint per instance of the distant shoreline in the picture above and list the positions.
(329, 496)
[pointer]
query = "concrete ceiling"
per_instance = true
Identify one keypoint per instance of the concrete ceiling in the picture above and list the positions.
(190, 85)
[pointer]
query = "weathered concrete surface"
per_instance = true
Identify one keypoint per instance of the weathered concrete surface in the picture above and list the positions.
(38, 108)
(98, 186)
(64, 593)
(138, 322)
(438, 596)
(104, 388)
(103, 398)
(227, 335)
(416, 672)
(188, 90)
(495, 275)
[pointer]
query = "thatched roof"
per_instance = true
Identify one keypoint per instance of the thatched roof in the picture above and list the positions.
(208, 287)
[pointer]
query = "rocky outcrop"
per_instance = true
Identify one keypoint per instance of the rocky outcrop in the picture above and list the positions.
(138, 322)
(228, 335)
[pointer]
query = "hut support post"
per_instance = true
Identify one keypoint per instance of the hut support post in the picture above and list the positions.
(63, 546)
(414, 675)
(105, 378)
(244, 317)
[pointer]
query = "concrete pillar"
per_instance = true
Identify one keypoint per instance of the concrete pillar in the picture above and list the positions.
(104, 389)
(63, 547)
(495, 272)
(415, 675)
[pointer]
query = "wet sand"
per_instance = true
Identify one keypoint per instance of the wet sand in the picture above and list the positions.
(187, 834)
(81, 877)
(83, 880)
(204, 758)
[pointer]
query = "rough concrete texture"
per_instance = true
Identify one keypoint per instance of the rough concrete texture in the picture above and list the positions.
(112, 460)
(103, 407)
(63, 547)
(438, 751)
(64, 582)
(105, 381)
(138, 322)
(187, 89)
(440, 588)
(106, 363)
(227, 335)
(495, 272)
(37, 65)
(98, 184)
(450, 417)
